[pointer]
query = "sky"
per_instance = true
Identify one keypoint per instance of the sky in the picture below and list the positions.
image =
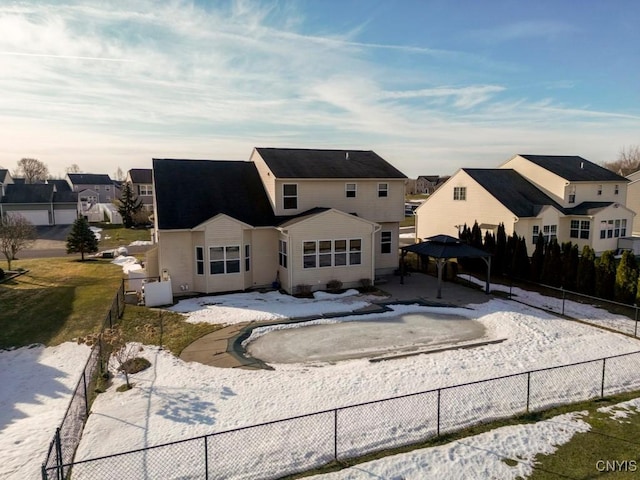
(430, 85)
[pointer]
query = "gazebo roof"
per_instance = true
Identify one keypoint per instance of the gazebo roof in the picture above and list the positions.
(445, 246)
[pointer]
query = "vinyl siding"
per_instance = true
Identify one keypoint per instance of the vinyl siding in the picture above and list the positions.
(548, 182)
(386, 263)
(177, 257)
(633, 203)
(267, 177)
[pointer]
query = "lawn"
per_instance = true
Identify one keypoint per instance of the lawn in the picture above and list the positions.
(58, 300)
(116, 235)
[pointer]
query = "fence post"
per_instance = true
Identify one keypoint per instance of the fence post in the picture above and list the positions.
(564, 294)
(44, 472)
(604, 364)
(635, 330)
(438, 416)
(86, 397)
(335, 434)
(206, 460)
(59, 462)
(528, 389)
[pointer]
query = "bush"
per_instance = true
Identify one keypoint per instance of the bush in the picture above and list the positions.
(1, 274)
(333, 285)
(135, 365)
(365, 285)
(303, 290)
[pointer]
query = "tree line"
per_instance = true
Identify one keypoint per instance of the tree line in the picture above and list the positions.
(557, 265)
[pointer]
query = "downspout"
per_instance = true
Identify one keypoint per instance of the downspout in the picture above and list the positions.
(376, 228)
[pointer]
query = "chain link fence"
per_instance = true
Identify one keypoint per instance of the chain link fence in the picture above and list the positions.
(275, 449)
(67, 437)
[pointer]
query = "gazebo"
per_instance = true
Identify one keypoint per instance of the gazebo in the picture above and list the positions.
(442, 248)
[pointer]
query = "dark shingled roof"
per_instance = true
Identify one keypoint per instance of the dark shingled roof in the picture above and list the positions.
(37, 193)
(141, 175)
(90, 179)
(511, 189)
(3, 174)
(574, 168)
(587, 208)
(61, 185)
(307, 163)
(189, 192)
(445, 246)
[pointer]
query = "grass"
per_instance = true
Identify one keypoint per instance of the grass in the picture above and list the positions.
(120, 236)
(408, 221)
(608, 440)
(174, 335)
(58, 300)
(416, 196)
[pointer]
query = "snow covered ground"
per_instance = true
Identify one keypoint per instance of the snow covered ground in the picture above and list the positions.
(174, 400)
(36, 386)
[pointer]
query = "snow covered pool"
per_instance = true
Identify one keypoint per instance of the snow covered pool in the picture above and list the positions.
(369, 337)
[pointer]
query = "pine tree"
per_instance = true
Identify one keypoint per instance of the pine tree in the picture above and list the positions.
(489, 243)
(128, 205)
(570, 259)
(537, 259)
(501, 249)
(586, 271)
(552, 266)
(521, 267)
(81, 239)
(605, 275)
(626, 282)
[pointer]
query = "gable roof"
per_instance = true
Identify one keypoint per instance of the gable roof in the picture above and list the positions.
(4, 174)
(89, 178)
(141, 175)
(37, 193)
(61, 185)
(189, 192)
(574, 168)
(308, 163)
(511, 189)
(588, 208)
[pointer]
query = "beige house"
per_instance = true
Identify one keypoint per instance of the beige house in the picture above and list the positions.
(633, 200)
(294, 217)
(562, 197)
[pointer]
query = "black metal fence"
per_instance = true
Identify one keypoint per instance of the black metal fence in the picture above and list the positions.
(67, 437)
(293, 445)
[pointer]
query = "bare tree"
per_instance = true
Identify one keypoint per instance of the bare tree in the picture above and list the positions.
(628, 161)
(73, 168)
(32, 169)
(16, 233)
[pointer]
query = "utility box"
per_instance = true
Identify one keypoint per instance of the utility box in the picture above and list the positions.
(156, 294)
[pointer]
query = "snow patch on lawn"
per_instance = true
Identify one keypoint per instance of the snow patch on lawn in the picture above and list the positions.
(128, 263)
(96, 231)
(139, 243)
(622, 410)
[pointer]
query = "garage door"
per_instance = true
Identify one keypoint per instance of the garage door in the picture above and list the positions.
(65, 217)
(36, 217)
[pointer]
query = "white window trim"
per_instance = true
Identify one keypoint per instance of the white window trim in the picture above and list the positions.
(390, 242)
(347, 190)
(385, 190)
(290, 196)
(461, 194)
(333, 253)
(203, 260)
(283, 254)
(225, 260)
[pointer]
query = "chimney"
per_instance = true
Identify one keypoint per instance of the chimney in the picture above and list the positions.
(581, 165)
(346, 155)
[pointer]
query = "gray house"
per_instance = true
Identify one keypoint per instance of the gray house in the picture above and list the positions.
(40, 204)
(141, 179)
(98, 183)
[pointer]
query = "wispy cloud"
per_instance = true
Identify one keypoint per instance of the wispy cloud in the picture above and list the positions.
(541, 29)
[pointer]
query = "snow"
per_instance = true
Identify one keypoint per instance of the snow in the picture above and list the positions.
(128, 263)
(479, 456)
(37, 384)
(96, 231)
(260, 307)
(622, 410)
(408, 235)
(139, 243)
(174, 400)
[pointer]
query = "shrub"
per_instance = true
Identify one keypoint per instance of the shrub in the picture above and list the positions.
(333, 285)
(303, 290)
(135, 365)
(1, 274)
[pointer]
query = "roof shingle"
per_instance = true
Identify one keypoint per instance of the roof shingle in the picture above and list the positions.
(574, 168)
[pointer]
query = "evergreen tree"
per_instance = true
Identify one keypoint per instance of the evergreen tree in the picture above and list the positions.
(81, 239)
(626, 282)
(128, 205)
(605, 275)
(586, 271)
(521, 267)
(537, 259)
(476, 235)
(570, 259)
(489, 243)
(552, 265)
(509, 253)
(501, 249)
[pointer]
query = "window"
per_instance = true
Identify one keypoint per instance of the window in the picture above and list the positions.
(351, 189)
(327, 253)
(224, 260)
(459, 193)
(97, 188)
(536, 233)
(107, 188)
(623, 227)
(282, 253)
(549, 232)
(339, 253)
(200, 260)
(289, 196)
(145, 190)
(599, 189)
(385, 242)
(580, 229)
(572, 194)
(616, 231)
(247, 258)
(383, 190)
(355, 252)
(616, 190)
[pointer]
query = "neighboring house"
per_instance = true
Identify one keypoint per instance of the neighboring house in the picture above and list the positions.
(293, 216)
(427, 184)
(40, 204)
(141, 179)
(633, 199)
(563, 197)
(5, 179)
(99, 183)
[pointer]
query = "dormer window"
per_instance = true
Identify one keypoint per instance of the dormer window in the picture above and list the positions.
(572, 194)
(289, 196)
(351, 189)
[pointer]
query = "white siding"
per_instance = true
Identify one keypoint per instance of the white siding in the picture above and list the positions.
(65, 217)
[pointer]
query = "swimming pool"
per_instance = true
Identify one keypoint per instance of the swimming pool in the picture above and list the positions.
(364, 338)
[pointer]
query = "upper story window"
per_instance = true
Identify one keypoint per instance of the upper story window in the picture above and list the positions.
(383, 190)
(616, 190)
(351, 190)
(599, 189)
(97, 188)
(289, 196)
(107, 188)
(572, 194)
(459, 193)
(145, 190)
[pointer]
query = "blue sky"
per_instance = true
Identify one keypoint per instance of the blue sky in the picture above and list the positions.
(432, 86)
